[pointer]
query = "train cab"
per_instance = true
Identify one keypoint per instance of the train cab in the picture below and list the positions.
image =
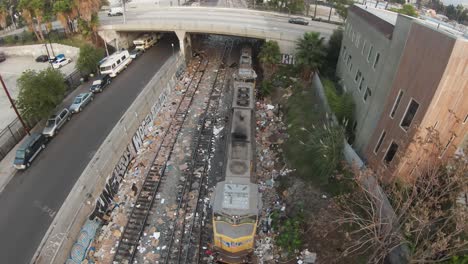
(235, 211)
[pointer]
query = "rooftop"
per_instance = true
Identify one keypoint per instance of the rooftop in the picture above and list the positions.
(391, 17)
(383, 14)
(236, 196)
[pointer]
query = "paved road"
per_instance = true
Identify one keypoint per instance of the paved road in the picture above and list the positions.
(214, 20)
(32, 198)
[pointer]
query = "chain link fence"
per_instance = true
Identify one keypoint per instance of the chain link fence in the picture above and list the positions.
(15, 132)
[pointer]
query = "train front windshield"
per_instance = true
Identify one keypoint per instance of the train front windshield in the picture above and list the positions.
(251, 219)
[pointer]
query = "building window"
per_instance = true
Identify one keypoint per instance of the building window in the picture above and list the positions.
(352, 37)
(344, 50)
(369, 55)
(395, 105)
(358, 76)
(391, 152)
(447, 146)
(379, 143)
(349, 60)
(361, 83)
(354, 125)
(351, 67)
(358, 38)
(363, 47)
(376, 61)
(409, 115)
(367, 94)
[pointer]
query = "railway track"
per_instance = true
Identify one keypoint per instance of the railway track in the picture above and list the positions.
(154, 179)
(184, 238)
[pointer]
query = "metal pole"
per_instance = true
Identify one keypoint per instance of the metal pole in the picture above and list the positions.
(107, 51)
(48, 36)
(315, 10)
(48, 54)
(124, 15)
(14, 106)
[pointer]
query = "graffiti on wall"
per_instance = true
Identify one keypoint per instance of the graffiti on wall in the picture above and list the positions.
(112, 184)
(104, 203)
(287, 59)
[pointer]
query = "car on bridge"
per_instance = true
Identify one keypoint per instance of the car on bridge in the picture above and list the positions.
(55, 122)
(299, 21)
(80, 102)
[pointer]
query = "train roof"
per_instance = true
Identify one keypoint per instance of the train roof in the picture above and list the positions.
(245, 71)
(233, 197)
(241, 128)
(243, 95)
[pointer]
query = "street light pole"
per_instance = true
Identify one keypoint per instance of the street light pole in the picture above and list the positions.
(14, 106)
(124, 15)
(172, 44)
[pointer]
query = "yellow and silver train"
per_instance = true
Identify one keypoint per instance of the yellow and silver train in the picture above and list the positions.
(237, 202)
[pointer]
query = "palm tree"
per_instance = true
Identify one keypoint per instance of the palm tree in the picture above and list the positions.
(87, 8)
(3, 15)
(270, 56)
(27, 12)
(311, 52)
(63, 10)
(38, 8)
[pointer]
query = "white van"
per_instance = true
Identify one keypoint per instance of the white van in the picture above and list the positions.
(146, 41)
(115, 11)
(115, 63)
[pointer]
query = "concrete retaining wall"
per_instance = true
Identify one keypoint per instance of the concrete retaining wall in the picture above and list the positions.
(62, 233)
(39, 49)
(398, 255)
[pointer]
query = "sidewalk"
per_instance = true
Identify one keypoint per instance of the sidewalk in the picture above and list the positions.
(7, 171)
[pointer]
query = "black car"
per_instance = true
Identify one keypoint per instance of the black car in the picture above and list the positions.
(299, 20)
(29, 150)
(42, 58)
(100, 83)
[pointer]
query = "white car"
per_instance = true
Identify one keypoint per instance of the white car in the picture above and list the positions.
(61, 62)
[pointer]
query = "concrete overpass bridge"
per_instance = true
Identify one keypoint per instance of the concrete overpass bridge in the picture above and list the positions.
(207, 20)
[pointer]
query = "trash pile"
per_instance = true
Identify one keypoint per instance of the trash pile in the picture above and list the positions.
(109, 235)
(271, 133)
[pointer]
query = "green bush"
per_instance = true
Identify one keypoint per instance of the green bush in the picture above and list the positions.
(341, 104)
(9, 40)
(89, 58)
(314, 147)
(265, 88)
(289, 231)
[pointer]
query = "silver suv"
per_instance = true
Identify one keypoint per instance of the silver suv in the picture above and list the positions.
(55, 122)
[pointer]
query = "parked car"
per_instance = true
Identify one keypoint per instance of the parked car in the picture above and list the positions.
(298, 20)
(29, 150)
(42, 58)
(135, 53)
(2, 56)
(55, 122)
(115, 11)
(80, 102)
(59, 56)
(100, 83)
(59, 63)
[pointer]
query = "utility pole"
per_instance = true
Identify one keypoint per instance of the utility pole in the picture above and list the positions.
(14, 106)
(50, 42)
(107, 51)
(124, 15)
